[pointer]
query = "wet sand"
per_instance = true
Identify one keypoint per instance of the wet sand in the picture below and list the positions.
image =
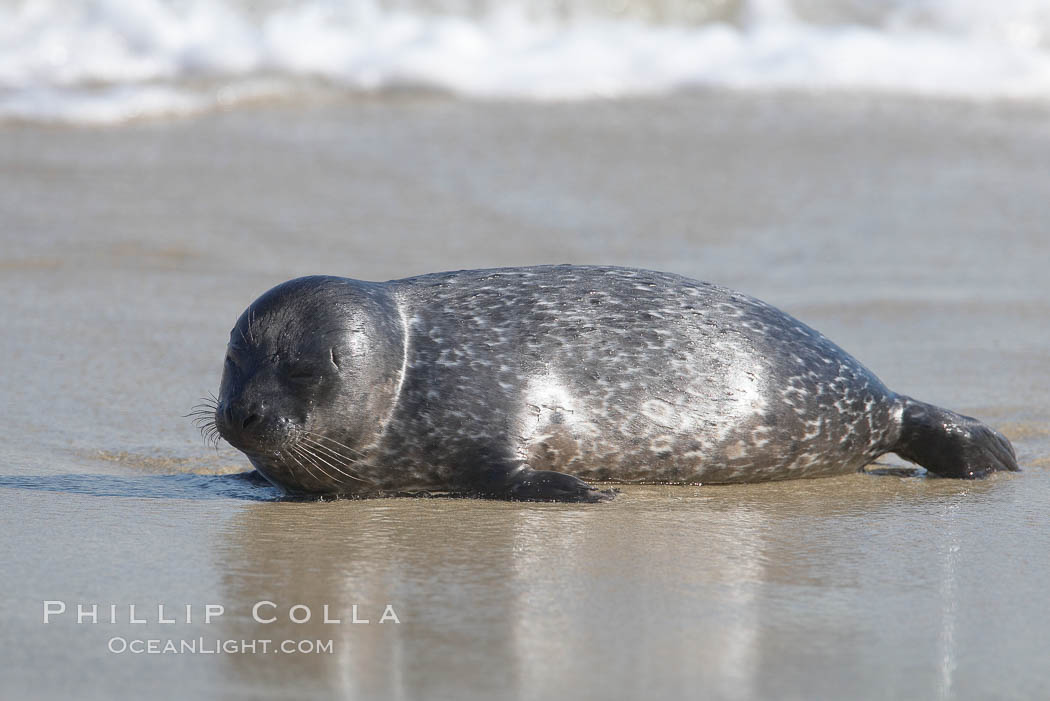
(914, 234)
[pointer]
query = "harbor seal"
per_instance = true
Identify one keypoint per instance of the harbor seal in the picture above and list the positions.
(528, 383)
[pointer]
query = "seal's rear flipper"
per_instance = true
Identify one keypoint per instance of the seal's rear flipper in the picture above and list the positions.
(949, 444)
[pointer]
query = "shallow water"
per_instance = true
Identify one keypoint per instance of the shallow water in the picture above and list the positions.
(911, 233)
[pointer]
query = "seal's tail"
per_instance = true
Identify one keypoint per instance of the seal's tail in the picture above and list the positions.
(950, 444)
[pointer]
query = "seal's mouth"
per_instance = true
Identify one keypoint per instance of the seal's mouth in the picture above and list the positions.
(296, 458)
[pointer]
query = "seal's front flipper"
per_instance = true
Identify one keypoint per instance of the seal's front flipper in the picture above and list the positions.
(526, 484)
(950, 444)
(547, 485)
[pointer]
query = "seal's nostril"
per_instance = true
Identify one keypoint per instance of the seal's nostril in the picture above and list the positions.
(227, 414)
(252, 418)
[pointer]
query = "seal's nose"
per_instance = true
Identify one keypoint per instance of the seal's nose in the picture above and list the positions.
(242, 423)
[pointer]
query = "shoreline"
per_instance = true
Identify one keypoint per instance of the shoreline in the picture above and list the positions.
(321, 96)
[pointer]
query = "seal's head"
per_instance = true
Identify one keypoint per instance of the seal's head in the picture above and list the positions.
(311, 371)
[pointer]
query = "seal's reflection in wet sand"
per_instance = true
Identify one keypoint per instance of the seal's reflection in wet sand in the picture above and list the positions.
(491, 595)
(414, 554)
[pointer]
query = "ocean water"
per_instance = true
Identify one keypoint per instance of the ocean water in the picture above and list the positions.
(108, 61)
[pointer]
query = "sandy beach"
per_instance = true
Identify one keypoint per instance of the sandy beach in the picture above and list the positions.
(911, 232)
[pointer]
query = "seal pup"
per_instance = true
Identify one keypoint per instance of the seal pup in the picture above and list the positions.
(528, 383)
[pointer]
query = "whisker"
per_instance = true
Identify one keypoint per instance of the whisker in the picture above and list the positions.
(203, 412)
(312, 459)
(327, 462)
(204, 421)
(292, 454)
(202, 416)
(311, 439)
(322, 452)
(329, 451)
(332, 440)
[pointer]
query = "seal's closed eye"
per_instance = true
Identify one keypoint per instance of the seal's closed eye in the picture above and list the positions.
(235, 354)
(302, 373)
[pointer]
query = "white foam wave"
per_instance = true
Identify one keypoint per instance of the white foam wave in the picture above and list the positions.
(98, 61)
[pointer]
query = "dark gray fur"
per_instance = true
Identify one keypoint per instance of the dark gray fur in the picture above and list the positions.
(521, 382)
